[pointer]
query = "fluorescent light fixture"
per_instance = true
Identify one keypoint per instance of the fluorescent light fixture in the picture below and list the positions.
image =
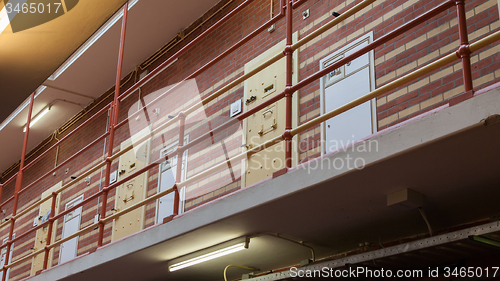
(485, 241)
(38, 117)
(213, 253)
(20, 108)
(104, 28)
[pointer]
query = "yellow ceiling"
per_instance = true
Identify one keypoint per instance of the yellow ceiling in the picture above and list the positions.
(29, 56)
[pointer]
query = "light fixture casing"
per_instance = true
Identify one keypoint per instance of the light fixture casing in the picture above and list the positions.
(209, 253)
(38, 117)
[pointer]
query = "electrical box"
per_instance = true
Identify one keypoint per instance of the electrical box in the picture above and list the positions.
(405, 199)
(269, 122)
(132, 191)
(143, 74)
(235, 108)
(112, 177)
(42, 233)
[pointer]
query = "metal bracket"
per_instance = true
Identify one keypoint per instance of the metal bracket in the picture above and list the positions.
(128, 198)
(251, 99)
(273, 127)
(305, 14)
(267, 111)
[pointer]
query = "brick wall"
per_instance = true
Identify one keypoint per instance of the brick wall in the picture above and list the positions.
(425, 43)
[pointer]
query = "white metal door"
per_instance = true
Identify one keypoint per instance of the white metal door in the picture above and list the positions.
(343, 85)
(3, 256)
(355, 123)
(168, 172)
(71, 225)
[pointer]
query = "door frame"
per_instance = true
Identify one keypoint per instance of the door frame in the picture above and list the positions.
(182, 193)
(64, 225)
(295, 101)
(145, 181)
(323, 87)
(48, 193)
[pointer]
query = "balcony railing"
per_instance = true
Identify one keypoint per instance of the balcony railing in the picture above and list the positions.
(286, 9)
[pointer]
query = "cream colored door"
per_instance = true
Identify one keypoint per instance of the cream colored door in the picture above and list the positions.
(269, 122)
(42, 233)
(131, 192)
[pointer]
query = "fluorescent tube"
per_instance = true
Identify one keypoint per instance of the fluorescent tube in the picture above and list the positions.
(37, 118)
(209, 256)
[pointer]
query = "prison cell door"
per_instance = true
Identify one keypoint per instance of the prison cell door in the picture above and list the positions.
(269, 122)
(42, 233)
(4, 257)
(132, 191)
(168, 172)
(71, 225)
(343, 85)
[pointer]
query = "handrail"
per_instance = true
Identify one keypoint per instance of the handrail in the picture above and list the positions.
(211, 63)
(381, 40)
(10, 179)
(185, 48)
(123, 151)
(345, 15)
(377, 92)
(203, 102)
(66, 137)
(78, 153)
(491, 38)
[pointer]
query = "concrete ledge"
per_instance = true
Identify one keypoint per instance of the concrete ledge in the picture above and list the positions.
(391, 143)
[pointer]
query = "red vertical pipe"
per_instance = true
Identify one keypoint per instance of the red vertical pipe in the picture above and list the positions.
(49, 234)
(180, 151)
(464, 51)
(19, 182)
(289, 83)
(115, 108)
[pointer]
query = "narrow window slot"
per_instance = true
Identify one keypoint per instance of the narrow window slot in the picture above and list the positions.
(269, 88)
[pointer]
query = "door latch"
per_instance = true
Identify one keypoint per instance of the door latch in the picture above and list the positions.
(335, 72)
(128, 198)
(267, 111)
(251, 99)
(273, 127)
